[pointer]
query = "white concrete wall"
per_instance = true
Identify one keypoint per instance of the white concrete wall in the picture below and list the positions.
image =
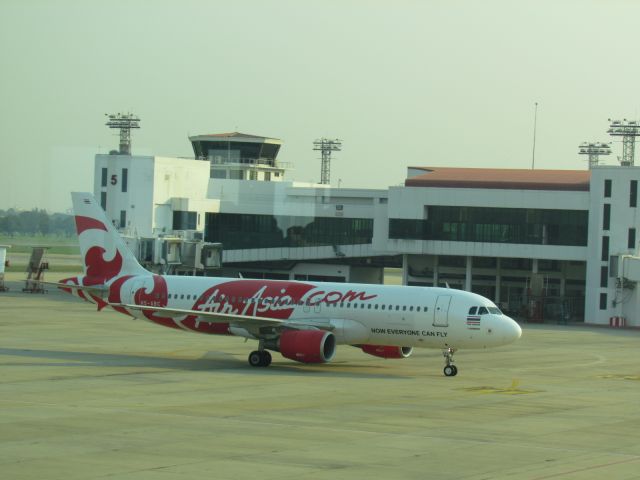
(620, 302)
(184, 183)
(137, 201)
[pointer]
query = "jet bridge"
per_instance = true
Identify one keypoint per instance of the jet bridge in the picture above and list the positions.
(3, 263)
(626, 270)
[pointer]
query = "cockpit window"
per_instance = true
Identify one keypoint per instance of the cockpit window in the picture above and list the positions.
(473, 310)
(482, 311)
(494, 310)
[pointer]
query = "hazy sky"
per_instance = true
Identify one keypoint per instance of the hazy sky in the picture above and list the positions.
(402, 83)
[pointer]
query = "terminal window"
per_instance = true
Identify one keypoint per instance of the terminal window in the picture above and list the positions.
(607, 188)
(243, 231)
(606, 216)
(495, 225)
(183, 220)
(604, 276)
(633, 193)
(603, 301)
(125, 179)
(605, 249)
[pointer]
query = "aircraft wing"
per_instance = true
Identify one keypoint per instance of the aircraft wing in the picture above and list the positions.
(247, 321)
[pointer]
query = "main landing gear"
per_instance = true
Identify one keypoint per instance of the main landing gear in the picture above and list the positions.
(450, 370)
(260, 358)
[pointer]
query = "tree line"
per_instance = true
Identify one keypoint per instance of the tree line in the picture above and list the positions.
(36, 222)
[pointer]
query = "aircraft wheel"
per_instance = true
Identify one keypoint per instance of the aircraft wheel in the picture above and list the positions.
(450, 371)
(255, 358)
(266, 358)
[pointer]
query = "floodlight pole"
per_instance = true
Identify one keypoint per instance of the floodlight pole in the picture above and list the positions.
(326, 146)
(594, 150)
(628, 130)
(125, 122)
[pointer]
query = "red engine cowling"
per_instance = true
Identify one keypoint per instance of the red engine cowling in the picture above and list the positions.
(308, 346)
(385, 351)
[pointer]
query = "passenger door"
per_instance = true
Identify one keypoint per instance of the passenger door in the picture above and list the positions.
(441, 311)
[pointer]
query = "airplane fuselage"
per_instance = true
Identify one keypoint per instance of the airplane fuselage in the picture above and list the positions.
(355, 313)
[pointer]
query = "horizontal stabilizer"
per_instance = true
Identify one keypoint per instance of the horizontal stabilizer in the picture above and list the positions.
(99, 290)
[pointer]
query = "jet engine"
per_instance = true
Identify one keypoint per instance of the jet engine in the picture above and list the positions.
(385, 351)
(308, 346)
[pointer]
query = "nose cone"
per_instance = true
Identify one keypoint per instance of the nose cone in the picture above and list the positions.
(511, 330)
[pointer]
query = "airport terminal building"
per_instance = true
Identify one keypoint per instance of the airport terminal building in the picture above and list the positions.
(545, 245)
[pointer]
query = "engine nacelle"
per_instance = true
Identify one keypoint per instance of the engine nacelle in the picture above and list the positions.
(386, 351)
(308, 346)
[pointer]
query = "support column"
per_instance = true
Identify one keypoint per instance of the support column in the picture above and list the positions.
(405, 269)
(498, 281)
(436, 274)
(467, 279)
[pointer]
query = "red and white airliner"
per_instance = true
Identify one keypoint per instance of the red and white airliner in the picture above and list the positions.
(304, 321)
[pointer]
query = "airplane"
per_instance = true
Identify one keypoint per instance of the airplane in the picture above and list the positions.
(303, 320)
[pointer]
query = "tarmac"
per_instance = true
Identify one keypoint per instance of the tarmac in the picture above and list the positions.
(86, 395)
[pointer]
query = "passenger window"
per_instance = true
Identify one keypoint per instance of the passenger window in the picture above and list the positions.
(411, 309)
(369, 307)
(376, 307)
(473, 310)
(181, 296)
(417, 309)
(404, 308)
(383, 307)
(482, 311)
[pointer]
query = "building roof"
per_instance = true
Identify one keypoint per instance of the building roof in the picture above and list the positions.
(500, 178)
(237, 136)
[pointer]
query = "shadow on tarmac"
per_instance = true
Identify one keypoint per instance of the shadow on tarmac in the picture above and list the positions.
(212, 361)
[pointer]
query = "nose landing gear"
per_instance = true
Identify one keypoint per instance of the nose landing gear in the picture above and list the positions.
(450, 370)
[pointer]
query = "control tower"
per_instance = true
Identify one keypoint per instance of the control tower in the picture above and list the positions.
(238, 156)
